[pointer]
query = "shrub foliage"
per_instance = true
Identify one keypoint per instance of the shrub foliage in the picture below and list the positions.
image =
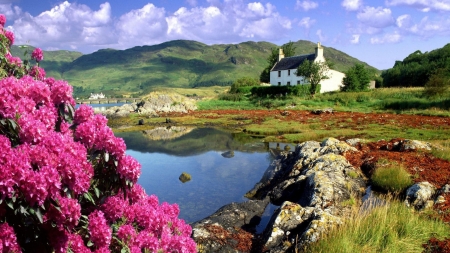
(66, 184)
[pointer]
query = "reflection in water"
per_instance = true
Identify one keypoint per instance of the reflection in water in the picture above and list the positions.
(215, 179)
(167, 133)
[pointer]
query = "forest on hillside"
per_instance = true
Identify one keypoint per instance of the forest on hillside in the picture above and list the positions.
(419, 68)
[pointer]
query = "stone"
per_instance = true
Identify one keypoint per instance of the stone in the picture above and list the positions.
(229, 229)
(419, 194)
(414, 145)
(141, 122)
(228, 154)
(185, 177)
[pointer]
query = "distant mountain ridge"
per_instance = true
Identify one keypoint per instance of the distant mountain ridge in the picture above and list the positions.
(178, 63)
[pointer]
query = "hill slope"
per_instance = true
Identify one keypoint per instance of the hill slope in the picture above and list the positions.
(178, 63)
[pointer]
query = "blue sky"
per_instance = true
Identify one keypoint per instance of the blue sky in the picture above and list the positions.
(377, 32)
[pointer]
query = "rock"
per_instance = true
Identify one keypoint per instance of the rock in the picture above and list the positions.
(185, 177)
(310, 184)
(320, 111)
(141, 122)
(289, 216)
(419, 194)
(445, 188)
(229, 229)
(414, 145)
(228, 154)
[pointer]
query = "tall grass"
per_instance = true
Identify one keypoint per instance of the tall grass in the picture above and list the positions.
(442, 149)
(393, 178)
(392, 228)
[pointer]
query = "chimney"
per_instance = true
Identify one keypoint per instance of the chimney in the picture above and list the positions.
(319, 51)
(280, 54)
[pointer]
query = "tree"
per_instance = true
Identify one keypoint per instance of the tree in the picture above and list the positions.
(438, 84)
(243, 82)
(288, 50)
(357, 78)
(314, 72)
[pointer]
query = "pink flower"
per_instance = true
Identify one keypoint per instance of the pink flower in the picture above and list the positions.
(37, 54)
(38, 73)
(127, 234)
(10, 36)
(114, 207)
(13, 60)
(8, 239)
(62, 93)
(129, 168)
(76, 244)
(99, 230)
(83, 113)
(2, 20)
(68, 214)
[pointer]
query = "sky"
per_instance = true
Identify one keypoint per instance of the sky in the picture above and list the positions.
(376, 32)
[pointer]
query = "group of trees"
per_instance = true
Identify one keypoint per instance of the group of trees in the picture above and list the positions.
(417, 69)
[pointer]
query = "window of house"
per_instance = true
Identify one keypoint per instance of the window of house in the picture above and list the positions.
(288, 83)
(279, 73)
(289, 72)
(279, 83)
(298, 81)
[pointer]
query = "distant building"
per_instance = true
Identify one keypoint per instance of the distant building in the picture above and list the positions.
(284, 72)
(97, 96)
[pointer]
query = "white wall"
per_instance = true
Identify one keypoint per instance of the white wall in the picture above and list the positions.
(334, 83)
(286, 77)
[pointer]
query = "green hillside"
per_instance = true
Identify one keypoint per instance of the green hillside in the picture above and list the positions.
(178, 63)
(54, 63)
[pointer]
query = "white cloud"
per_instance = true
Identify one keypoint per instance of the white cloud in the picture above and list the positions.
(423, 5)
(306, 5)
(388, 38)
(76, 26)
(425, 28)
(355, 39)
(65, 25)
(306, 22)
(322, 37)
(352, 5)
(144, 26)
(376, 17)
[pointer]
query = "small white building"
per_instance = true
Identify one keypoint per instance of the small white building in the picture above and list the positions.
(97, 96)
(284, 72)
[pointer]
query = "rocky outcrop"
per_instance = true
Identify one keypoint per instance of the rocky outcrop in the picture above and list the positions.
(152, 106)
(313, 186)
(229, 229)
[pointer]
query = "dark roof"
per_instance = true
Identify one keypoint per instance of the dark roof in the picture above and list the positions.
(292, 62)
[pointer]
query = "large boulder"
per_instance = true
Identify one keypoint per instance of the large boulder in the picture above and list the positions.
(420, 195)
(229, 229)
(313, 185)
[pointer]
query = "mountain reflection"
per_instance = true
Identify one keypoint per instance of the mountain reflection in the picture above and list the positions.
(186, 141)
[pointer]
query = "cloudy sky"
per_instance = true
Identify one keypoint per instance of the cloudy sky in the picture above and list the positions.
(377, 32)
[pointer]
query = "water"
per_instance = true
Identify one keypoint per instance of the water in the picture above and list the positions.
(101, 107)
(216, 180)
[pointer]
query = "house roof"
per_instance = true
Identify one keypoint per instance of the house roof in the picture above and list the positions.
(292, 62)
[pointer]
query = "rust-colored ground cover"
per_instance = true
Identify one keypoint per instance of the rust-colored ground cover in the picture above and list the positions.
(415, 121)
(422, 165)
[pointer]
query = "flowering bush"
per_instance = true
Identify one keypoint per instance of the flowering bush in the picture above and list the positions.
(66, 184)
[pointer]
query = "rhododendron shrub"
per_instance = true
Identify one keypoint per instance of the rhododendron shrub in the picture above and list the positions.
(66, 184)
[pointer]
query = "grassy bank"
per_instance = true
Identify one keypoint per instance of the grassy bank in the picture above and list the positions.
(389, 228)
(394, 100)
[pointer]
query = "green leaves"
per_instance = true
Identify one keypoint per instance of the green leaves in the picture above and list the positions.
(314, 72)
(10, 129)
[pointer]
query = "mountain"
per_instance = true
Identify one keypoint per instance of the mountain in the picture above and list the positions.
(54, 62)
(179, 63)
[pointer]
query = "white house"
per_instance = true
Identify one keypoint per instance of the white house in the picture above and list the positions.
(284, 72)
(97, 96)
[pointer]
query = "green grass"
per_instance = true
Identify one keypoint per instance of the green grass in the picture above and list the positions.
(391, 177)
(441, 149)
(392, 228)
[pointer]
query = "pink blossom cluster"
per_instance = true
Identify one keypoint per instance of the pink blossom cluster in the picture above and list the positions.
(148, 225)
(72, 180)
(37, 54)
